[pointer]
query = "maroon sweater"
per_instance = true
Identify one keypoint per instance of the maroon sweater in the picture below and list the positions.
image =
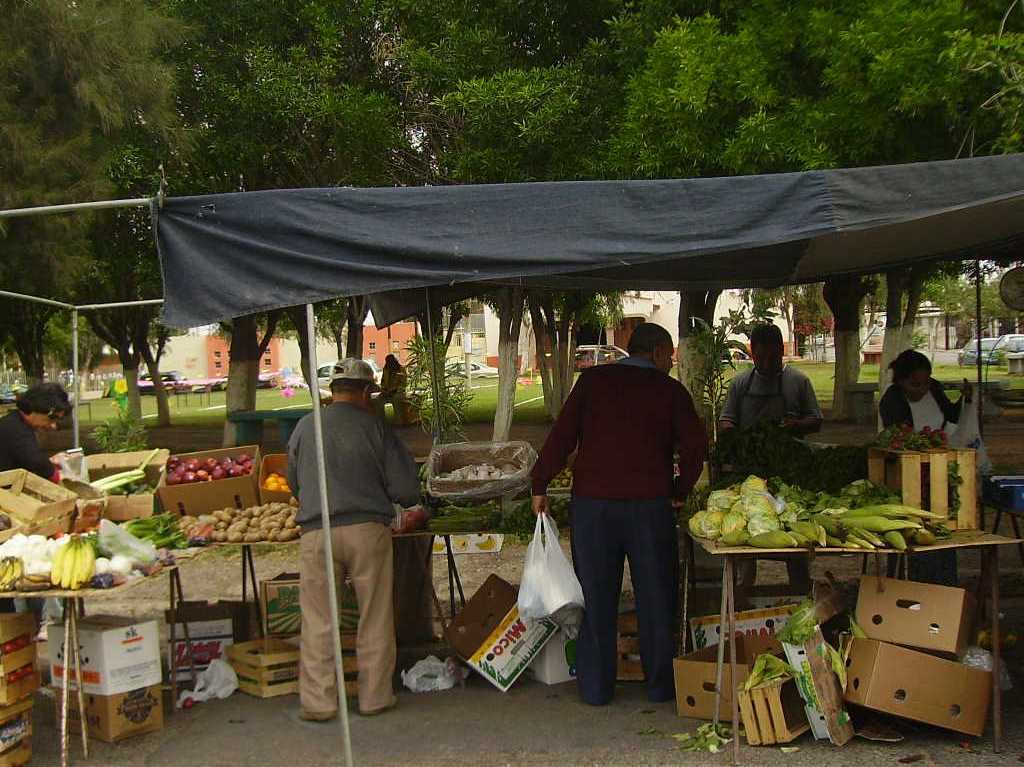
(625, 422)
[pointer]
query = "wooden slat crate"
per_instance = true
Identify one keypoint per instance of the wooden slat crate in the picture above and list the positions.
(629, 669)
(20, 753)
(266, 668)
(773, 713)
(33, 500)
(922, 479)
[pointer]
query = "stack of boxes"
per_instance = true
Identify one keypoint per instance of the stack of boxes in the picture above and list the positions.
(121, 676)
(18, 680)
(909, 665)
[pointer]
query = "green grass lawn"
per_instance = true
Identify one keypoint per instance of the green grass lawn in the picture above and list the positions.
(208, 410)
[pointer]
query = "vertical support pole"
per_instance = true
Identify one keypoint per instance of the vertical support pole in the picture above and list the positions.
(325, 522)
(435, 383)
(76, 442)
(734, 696)
(979, 395)
(997, 691)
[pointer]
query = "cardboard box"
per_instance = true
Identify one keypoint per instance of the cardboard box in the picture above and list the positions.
(490, 636)
(282, 613)
(113, 718)
(894, 680)
(204, 497)
(696, 674)
(556, 662)
(921, 615)
(213, 627)
(121, 508)
(471, 543)
(764, 623)
(16, 733)
(820, 690)
(273, 463)
(118, 655)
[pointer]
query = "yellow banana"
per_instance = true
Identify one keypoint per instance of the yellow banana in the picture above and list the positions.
(56, 569)
(86, 566)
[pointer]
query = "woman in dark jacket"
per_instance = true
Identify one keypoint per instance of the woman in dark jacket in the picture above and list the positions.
(917, 399)
(38, 409)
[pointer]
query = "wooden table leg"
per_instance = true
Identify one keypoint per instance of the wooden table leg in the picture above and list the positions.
(249, 570)
(997, 692)
(722, 635)
(172, 636)
(65, 699)
(176, 599)
(729, 578)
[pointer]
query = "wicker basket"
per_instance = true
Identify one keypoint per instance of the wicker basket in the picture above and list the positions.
(446, 458)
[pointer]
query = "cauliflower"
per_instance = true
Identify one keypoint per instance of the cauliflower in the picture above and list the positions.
(753, 484)
(722, 500)
(706, 524)
(732, 522)
(762, 523)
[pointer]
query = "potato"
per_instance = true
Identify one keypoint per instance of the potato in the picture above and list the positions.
(219, 536)
(290, 524)
(222, 515)
(252, 538)
(287, 535)
(235, 537)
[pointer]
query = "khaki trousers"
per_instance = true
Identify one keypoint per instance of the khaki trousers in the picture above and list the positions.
(362, 552)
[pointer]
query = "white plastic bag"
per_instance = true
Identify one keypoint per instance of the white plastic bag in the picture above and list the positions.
(432, 674)
(978, 658)
(550, 588)
(967, 434)
(218, 680)
(115, 540)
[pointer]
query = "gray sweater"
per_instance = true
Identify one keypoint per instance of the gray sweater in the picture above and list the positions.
(368, 468)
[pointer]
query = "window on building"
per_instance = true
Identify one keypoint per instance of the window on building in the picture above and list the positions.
(216, 355)
(217, 365)
(373, 346)
(395, 346)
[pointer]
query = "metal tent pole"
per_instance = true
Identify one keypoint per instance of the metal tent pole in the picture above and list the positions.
(325, 522)
(435, 383)
(119, 304)
(40, 210)
(74, 373)
(977, 322)
(36, 299)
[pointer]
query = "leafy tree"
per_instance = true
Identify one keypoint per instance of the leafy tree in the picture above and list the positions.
(73, 77)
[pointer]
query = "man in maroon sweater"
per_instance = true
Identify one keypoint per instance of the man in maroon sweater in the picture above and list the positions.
(624, 421)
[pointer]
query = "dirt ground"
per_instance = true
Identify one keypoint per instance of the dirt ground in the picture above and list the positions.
(532, 723)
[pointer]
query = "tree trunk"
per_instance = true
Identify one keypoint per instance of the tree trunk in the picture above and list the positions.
(698, 304)
(844, 297)
(243, 371)
(131, 378)
(510, 317)
(357, 310)
(895, 282)
(545, 354)
(27, 340)
(297, 314)
(163, 408)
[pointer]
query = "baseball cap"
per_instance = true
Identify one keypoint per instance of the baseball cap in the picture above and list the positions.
(352, 369)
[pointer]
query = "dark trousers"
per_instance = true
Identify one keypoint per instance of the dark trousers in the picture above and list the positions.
(604, 535)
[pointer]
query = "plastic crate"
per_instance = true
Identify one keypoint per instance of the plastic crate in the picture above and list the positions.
(1007, 492)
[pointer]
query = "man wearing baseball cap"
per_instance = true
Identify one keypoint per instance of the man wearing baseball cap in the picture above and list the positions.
(368, 470)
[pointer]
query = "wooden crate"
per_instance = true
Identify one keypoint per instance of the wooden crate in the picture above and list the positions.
(922, 479)
(12, 692)
(773, 713)
(629, 667)
(33, 500)
(266, 668)
(20, 753)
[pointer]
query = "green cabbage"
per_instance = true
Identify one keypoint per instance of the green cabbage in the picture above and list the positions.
(753, 484)
(722, 500)
(706, 524)
(762, 523)
(731, 522)
(760, 503)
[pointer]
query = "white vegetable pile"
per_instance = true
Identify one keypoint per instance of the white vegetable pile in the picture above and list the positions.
(35, 551)
(478, 472)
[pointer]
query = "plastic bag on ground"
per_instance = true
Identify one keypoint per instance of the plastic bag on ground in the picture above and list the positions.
(218, 680)
(433, 675)
(549, 588)
(978, 658)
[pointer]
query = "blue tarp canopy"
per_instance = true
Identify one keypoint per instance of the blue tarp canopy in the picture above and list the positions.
(227, 255)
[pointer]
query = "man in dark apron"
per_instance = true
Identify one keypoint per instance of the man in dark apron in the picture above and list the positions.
(772, 391)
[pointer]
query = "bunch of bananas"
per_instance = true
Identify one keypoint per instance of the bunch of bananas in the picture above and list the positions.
(74, 564)
(11, 571)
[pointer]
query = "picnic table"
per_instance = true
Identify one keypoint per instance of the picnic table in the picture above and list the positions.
(249, 423)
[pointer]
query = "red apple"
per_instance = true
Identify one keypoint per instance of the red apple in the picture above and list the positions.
(217, 473)
(190, 476)
(235, 471)
(202, 475)
(173, 479)
(244, 458)
(211, 463)
(192, 464)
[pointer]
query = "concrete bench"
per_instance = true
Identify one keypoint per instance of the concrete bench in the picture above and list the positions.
(249, 423)
(861, 398)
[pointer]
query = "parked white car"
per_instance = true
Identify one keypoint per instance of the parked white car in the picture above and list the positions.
(476, 370)
(323, 373)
